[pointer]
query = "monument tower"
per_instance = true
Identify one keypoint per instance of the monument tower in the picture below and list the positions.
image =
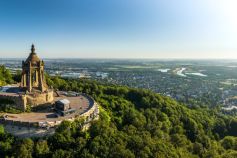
(32, 78)
(33, 90)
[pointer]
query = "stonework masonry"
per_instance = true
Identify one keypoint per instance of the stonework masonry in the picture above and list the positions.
(33, 90)
(33, 73)
(36, 99)
(20, 101)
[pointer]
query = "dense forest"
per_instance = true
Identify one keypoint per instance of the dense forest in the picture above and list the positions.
(133, 123)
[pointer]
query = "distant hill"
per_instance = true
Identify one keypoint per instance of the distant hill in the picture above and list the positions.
(133, 123)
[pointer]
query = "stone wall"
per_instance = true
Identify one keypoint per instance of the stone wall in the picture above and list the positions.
(22, 100)
(40, 98)
(19, 100)
(39, 129)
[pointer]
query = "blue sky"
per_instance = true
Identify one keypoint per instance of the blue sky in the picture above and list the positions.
(119, 28)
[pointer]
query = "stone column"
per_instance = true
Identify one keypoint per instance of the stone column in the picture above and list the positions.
(41, 77)
(37, 77)
(23, 75)
(22, 79)
(29, 78)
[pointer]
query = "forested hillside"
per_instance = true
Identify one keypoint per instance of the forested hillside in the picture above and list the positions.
(133, 123)
(5, 76)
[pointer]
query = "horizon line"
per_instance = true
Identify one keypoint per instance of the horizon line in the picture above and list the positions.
(147, 58)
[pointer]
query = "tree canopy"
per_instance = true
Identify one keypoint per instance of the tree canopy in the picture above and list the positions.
(133, 123)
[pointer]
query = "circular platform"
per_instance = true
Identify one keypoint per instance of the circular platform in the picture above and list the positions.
(43, 120)
(80, 102)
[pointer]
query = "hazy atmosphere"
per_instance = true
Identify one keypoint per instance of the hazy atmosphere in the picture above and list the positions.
(118, 78)
(119, 28)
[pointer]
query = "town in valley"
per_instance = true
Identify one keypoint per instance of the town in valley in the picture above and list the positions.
(194, 82)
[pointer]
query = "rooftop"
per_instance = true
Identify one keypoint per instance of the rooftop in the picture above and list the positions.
(64, 101)
(33, 56)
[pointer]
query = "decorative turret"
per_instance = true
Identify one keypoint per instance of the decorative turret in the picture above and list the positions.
(33, 58)
(32, 49)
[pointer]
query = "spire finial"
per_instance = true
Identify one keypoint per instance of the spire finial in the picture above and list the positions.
(32, 48)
